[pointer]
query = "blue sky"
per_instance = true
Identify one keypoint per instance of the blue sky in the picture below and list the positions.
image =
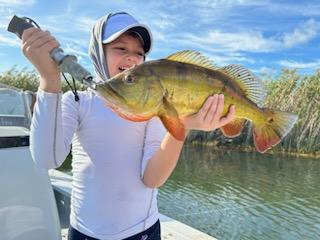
(264, 36)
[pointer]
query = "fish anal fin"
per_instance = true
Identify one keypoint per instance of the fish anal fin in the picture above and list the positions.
(265, 140)
(234, 128)
(192, 57)
(171, 121)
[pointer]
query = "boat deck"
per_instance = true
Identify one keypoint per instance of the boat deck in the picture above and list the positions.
(170, 228)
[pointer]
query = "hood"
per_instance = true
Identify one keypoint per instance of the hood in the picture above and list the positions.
(96, 50)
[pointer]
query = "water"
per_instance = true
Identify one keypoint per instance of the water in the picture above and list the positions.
(234, 195)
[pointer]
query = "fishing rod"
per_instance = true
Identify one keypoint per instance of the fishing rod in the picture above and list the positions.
(67, 63)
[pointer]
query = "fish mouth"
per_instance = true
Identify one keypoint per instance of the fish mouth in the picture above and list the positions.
(126, 67)
(109, 93)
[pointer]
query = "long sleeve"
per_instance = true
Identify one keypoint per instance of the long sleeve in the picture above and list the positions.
(155, 132)
(54, 122)
(109, 153)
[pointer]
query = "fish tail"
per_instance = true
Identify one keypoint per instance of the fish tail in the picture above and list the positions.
(276, 126)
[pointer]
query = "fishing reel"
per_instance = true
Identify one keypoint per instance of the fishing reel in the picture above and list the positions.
(66, 63)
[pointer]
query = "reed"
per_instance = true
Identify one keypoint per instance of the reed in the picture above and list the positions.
(301, 95)
(289, 91)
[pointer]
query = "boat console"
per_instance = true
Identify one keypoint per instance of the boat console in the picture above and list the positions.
(28, 209)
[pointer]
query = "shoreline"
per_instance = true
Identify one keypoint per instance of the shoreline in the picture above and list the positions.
(249, 149)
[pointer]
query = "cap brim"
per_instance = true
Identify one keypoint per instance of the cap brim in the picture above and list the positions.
(141, 29)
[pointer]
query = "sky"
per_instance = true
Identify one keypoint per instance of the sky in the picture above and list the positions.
(264, 36)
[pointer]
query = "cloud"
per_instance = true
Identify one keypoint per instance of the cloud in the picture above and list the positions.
(240, 41)
(77, 42)
(159, 36)
(253, 41)
(16, 3)
(12, 42)
(297, 8)
(76, 50)
(266, 72)
(228, 3)
(225, 59)
(79, 24)
(301, 34)
(83, 23)
(82, 57)
(164, 21)
(77, 34)
(310, 10)
(300, 65)
(6, 15)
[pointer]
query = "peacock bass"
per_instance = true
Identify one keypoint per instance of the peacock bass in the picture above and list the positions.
(178, 85)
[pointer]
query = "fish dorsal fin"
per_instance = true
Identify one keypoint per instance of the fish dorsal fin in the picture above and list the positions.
(252, 87)
(192, 57)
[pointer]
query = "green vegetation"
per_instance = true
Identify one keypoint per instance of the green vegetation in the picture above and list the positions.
(301, 95)
(28, 80)
(288, 92)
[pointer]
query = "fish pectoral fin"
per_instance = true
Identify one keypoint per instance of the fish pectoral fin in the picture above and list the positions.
(174, 126)
(234, 128)
(171, 121)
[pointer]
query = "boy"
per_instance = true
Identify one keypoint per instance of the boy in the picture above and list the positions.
(117, 164)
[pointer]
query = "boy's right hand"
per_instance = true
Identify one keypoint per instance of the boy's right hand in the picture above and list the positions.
(36, 46)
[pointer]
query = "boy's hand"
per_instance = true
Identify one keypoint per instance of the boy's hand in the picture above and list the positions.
(209, 117)
(36, 46)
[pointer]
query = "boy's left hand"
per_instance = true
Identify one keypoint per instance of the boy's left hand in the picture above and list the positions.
(209, 117)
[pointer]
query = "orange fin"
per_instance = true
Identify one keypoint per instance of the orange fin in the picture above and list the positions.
(234, 128)
(265, 140)
(171, 121)
(277, 125)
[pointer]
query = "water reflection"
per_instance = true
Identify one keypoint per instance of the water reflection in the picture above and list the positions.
(233, 195)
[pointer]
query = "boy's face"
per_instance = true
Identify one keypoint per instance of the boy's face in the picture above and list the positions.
(123, 53)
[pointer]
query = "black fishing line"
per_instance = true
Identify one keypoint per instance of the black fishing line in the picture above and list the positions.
(74, 91)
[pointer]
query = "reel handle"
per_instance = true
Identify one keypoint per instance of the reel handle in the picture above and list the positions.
(17, 25)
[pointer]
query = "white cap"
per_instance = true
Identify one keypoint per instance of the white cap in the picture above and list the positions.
(121, 22)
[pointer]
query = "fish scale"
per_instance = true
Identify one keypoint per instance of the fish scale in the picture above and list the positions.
(178, 86)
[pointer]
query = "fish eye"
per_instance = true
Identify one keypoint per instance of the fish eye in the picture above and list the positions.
(129, 79)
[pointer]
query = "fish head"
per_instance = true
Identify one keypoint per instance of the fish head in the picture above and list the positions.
(135, 91)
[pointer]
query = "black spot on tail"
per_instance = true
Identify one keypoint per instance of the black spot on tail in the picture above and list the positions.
(270, 120)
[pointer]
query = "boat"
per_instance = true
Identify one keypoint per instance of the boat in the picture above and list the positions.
(35, 202)
(27, 206)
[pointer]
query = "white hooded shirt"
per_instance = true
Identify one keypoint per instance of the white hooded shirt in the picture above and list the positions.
(109, 155)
